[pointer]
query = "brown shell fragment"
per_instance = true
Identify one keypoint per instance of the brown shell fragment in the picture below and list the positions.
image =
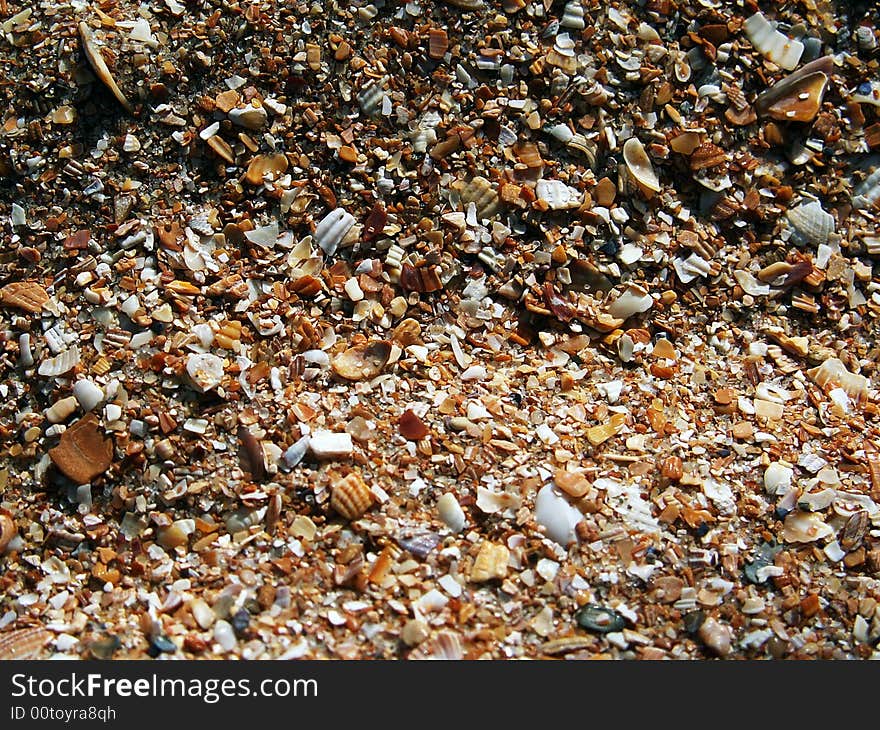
(8, 530)
(423, 279)
(23, 643)
(221, 148)
(411, 427)
(375, 222)
(84, 451)
(438, 42)
(797, 97)
(363, 361)
(351, 497)
(262, 165)
(27, 295)
(93, 54)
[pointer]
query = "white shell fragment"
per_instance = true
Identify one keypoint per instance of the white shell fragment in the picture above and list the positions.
(833, 373)
(633, 301)
(87, 394)
(770, 43)
(251, 117)
(811, 222)
(639, 164)
(573, 15)
(451, 512)
(558, 195)
(330, 445)
(61, 363)
(264, 236)
(777, 478)
(556, 516)
(205, 369)
(332, 229)
(805, 527)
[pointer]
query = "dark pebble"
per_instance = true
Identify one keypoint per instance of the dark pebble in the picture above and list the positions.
(240, 622)
(693, 621)
(163, 643)
(599, 619)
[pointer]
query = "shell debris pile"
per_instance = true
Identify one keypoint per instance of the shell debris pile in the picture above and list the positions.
(468, 329)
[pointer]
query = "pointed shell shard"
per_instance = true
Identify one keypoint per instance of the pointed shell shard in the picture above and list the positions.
(833, 374)
(797, 97)
(332, 229)
(639, 164)
(93, 54)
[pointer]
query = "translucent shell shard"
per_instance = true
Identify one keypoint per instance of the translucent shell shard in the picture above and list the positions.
(639, 165)
(93, 54)
(797, 97)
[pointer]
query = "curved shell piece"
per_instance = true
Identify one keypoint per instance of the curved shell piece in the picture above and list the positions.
(23, 643)
(363, 361)
(869, 93)
(205, 369)
(811, 222)
(770, 43)
(797, 97)
(558, 195)
(633, 301)
(482, 194)
(97, 62)
(573, 16)
(639, 164)
(61, 363)
(332, 229)
(7, 531)
(351, 497)
(833, 374)
(805, 527)
(868, 193)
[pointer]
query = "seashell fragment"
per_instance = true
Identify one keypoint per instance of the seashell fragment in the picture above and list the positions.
(351, 497)
(330, 445)
(261, 165)
(438, 42)
(867, 194)
(451, 512)
(833, 374)
(8, 531)
(363, 361)
(481, 193)
(556, 516)
(88, 394)
(251, 117)
(573, 15)
(633, 301)
(93, 54)
(558, 195)
(797, 97)
(811, 222)
(466, 4)
(639, 165)
(770, 43)
(84, 451)
(332, 229)
(23, 643)
(805, 527)
(205, 370)
(61, 363)
(29, 296)
(777, 478)
(370, 97)
(490, 563)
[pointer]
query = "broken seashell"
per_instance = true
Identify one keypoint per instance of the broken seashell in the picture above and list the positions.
(805, 527)
(867, 194)
(481, 193)
(573, 15)
(363, 361)
(61, 363)
(558, 195)
(811, 222)
(797, 97)
(451, 512)
(261, 165)
(639, 165)
(438, 42)
(93, 54)
(556, 516)
(332, 229)
(635, 299)
(264, 236)
(490, 563)
(770, 43)
(23, 643)
(29, 296)
(84, 452)
(351, 497)
(833, 374)
(205, 370)
(251, 117)
(574, 484)
(8, 530)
